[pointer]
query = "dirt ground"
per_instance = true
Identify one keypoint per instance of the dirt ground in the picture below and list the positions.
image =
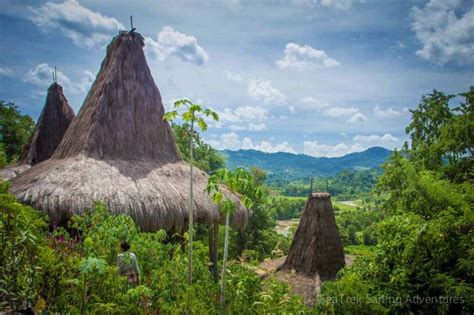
(303, 285)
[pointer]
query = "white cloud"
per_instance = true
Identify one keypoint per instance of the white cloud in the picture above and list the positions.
(336, 4)
(313, 148)
(385, 113)
(311, 103)
(386, 138)
(266, 146)
(357, 118)
(249, 127)
(337, 112)
(446, 35)
(6, 71)
(242, 114)
(85, 27)
(242, 118)
(292, 109)
(84, 84)
(263, 90)
(173, 43)
(232, 141)
(237, 77)
(42, 76)
(301, 57)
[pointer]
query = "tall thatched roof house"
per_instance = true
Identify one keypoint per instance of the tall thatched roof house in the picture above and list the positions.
(119, 151)
(316, 248)
(52, 124)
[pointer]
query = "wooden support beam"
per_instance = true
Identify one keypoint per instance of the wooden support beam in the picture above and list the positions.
(213, 250)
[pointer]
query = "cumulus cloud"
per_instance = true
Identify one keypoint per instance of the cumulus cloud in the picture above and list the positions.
(339, 4)
(249, 127)
(6, 71)
(41, 76)
(263, 90)
(357, 118)
(386, 113)
(85, 27)
(313, 148)
(337, 112)
(303, 57)
(242, 118)
(446, 34)
(237, 77)
(336, 4)
(173, 43)
(311, 103)
(232, 141)
(386, 138)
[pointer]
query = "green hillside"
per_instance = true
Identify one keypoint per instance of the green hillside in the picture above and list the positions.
(300, 166)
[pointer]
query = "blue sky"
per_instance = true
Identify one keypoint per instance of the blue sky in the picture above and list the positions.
(320, 77)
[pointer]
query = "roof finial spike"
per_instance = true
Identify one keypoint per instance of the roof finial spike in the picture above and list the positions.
(132, 29)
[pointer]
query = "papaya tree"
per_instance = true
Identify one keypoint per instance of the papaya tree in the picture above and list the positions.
(193, 115)
(240, 182)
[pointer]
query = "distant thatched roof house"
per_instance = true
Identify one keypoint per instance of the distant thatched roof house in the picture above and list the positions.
(119, 151)
(52, 124)
(316, 248)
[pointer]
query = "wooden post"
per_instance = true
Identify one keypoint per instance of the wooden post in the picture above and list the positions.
(213, 253)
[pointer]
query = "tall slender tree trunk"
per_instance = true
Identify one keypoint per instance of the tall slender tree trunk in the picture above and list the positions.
(213, 253)
(191, 204)
(224, 262)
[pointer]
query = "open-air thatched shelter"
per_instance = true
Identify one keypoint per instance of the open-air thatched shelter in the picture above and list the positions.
(52, 124)
(118, 150)
(316, 248)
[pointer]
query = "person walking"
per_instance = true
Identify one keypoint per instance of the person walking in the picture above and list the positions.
(127, 265)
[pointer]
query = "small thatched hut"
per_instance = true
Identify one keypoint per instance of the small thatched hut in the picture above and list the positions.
(118, 150)
(52, 124)
(316, 248)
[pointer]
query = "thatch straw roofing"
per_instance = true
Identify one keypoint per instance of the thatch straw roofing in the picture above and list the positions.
(316, 248)
(49, 131)
(119, 151)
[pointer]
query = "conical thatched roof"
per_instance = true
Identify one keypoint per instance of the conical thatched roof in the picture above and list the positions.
(316, 247)
(49, 131)
(119, 151)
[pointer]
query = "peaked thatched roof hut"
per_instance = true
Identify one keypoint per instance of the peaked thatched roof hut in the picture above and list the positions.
(119, 151)
(316, 248)
(52, 124)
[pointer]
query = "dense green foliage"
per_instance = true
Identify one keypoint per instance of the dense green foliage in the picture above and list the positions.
(259, 240)
(74, 270)
(283, 208)
(15, 132)
(283, 167)
(423, 261)
(348, 184)
(358, 226)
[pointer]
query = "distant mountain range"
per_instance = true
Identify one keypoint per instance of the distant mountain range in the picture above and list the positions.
(304, 166)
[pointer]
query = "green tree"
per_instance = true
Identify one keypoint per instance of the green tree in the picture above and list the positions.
(205, 157)
(240, 182)
(15, 130)
(3, 156)
(193, 115)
